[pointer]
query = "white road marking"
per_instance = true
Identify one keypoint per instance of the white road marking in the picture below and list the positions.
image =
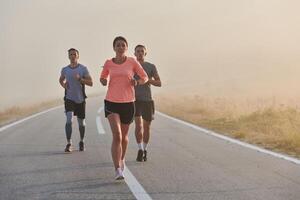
(27, 118)
(250, 146)
(100, 128)
(135, 187)
(100, 109)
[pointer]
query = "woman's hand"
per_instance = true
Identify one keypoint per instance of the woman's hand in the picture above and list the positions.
(134, 82)
(103, 81)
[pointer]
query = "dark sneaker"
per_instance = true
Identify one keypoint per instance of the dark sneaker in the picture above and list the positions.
(68, 148)
(139, 157)
(81, 146)
(145, 156)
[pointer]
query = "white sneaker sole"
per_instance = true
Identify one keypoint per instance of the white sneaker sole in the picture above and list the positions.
(119, 177)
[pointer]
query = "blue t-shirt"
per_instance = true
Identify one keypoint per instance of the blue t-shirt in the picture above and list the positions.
(74, 90)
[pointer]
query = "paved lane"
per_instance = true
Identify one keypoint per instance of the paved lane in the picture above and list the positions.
(184, 163)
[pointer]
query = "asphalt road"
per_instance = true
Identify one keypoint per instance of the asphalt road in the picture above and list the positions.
(183, 163)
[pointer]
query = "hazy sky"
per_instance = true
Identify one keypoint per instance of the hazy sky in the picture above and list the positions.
(232, 47)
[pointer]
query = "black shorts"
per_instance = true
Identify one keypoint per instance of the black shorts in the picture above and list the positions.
(145, 109)
(125, 110)
(77, 108)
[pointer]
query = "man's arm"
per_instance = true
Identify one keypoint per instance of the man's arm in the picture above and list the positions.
(87, 80)
(156, 81)
(62, 82)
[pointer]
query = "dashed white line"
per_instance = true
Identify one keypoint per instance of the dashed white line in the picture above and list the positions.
(100, 109)
(100, 128)
(278, 155)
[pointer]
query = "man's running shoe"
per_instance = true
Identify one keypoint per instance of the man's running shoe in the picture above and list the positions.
(68, 148)
(145, 156)
(81, 146)
(119, 174)
(139, 157)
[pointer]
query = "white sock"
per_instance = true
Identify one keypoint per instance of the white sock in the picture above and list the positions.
(118, 170)
(119, 174)
(140, 145)
(123, 165)
(145, 146)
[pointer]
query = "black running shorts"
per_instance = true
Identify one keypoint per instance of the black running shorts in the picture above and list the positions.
(125, 110)
(145, 109)
(77, 108)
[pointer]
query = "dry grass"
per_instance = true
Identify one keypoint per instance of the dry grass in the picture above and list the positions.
(261, 122)
(14, 113)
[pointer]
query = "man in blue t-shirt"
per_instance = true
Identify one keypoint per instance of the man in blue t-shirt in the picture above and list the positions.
(73, 79)
(144, 103)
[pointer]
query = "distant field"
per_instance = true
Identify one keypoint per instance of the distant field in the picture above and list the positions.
(14, 113)
(263, 122)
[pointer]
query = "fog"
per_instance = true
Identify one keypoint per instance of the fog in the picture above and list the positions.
(211, 48)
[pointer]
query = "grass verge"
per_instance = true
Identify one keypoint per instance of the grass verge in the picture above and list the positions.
(261, 122)
(15, 113)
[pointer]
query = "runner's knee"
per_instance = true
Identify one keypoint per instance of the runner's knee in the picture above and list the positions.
(69, 116)
(147, 128)
(117, 138)
(81, 122)
(138, 127)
